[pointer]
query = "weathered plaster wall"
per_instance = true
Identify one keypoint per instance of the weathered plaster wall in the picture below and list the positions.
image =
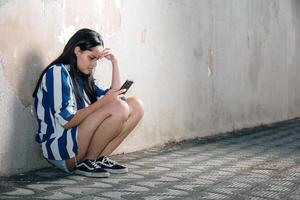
(201, 67)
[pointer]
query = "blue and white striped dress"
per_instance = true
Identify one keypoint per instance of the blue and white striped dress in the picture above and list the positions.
(55, 106)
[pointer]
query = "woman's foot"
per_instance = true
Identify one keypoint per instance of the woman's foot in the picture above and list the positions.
(111, 166)
(91, 169)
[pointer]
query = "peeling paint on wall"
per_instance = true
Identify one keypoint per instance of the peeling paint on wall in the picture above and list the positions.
(35, 37)
(210, 62)
(111, 17)
(27, 46)
(103, 16)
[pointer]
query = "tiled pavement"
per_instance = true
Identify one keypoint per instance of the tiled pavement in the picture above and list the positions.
(261, 163)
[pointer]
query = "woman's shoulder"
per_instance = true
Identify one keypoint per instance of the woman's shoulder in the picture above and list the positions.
(58, 67)
(57, 70)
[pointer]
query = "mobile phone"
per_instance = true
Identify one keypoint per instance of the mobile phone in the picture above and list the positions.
(126, 85)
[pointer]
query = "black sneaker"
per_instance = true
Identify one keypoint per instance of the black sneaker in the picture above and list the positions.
(111, 166)
(91, 169)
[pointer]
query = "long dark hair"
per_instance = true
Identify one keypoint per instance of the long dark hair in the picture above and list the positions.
(85, 39)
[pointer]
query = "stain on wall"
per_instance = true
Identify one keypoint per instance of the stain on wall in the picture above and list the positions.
(256, 62)
(28, 44)
(34, 37)
(3, 2)
(259, 21)
(143, 36)
(293, 68)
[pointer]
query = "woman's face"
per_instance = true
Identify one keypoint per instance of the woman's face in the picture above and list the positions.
(87, 60)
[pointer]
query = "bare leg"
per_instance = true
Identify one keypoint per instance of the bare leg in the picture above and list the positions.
(111, 117)
(136, 109)
(107, 131)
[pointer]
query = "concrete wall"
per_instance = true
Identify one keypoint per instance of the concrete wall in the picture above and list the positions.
(201, 66)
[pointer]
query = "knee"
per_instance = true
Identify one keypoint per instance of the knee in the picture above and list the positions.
(120, 109)
(137, 105)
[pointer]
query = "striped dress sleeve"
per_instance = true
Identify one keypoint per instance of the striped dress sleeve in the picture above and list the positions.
(58, 82)
(100, 92)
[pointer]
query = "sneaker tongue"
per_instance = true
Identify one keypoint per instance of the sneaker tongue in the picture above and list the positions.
(106, 160)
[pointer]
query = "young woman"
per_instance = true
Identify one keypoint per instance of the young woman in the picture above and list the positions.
(79, 124)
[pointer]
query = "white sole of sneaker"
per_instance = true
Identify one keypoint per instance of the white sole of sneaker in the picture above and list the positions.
(116, 171)
(93, 175)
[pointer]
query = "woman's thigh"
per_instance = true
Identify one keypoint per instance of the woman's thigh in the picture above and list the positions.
(89, 125)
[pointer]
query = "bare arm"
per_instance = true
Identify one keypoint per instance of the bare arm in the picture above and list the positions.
(116, 75)
(83, 113)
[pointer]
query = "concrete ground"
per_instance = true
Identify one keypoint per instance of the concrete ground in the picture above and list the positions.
(260, 163)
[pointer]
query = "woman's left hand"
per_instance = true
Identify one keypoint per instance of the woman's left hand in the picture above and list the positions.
(108, 54)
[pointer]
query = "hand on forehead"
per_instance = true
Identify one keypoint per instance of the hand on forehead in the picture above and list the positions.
(98, 52)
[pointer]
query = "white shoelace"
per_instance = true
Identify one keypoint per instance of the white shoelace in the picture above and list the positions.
(108, 161)
(94, 164)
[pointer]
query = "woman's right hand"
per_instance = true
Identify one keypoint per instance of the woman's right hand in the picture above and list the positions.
(113, 95)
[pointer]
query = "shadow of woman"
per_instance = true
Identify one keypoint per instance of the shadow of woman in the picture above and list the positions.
(24, 153)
